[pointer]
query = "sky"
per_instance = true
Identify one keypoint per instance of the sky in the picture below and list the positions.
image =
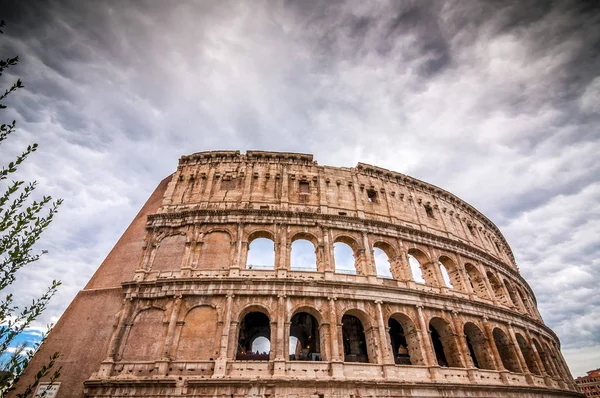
(497, 102)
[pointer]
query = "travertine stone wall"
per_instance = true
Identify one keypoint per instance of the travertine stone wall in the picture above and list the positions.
(193, 305)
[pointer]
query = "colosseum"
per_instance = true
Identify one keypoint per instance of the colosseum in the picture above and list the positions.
(401, 290)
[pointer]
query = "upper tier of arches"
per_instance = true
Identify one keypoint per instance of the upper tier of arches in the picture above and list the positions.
(294, 182)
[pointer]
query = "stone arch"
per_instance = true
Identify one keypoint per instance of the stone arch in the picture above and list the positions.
(445, 346)
(513, 295)
(528, 354)
(424, 265)
(357, 337)
(254, 323)
(253, 307)
(146, 336)
(477, 282)
(453, 273)
(546, 360)
(497, 288)
(301, 257)
(263, 256)
(305, 328)
(169, 252)
(341, 254)
(406, 345)
(478, 346)
(309, 310)
(383, 261)
(506, 351)
(215, 251)
(196, 341)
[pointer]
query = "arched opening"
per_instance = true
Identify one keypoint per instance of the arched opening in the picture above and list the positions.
(303, 256)
(497, 288)
(528, 354)
(344, 258)
(415, 269)
(253, 338)
(476, 281)
(146, 336)
(513, 295)
(505, 349)
(444, 344)
(382, 263)
(451, 274)
(478, 347)
(525, 301)
(405, 341)
(169, 253)
(196, 341)
(305, 344)
(261, 254)
(215, 251)
(355, 342)
(544, 357)
(445, 276)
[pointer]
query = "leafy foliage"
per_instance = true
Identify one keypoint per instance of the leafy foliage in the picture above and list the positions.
(22, 221)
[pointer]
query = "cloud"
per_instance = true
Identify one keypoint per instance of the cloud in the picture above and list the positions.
(495, 102)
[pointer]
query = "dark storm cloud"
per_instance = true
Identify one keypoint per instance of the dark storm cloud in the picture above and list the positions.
(498, 102)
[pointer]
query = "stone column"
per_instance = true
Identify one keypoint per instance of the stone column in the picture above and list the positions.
(385, 347)
(369, 263)
(239, 247)
(496, 358)
(337, 366)
(120, 328)
(279, 362)
(462, 341)
(517, 349)
(329, 266)
(221, 362)
(171, 328)
(488, 285)
(426, 339)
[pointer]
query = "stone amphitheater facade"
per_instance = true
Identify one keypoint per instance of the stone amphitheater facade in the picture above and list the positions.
(176, 309)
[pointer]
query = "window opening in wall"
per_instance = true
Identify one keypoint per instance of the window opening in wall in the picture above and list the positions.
(382, 263)
(471, 229)
(438, 347)
(355, 343)
(344, 258)
(303, 256)
(505, 349)
(497, 247)
(261, 254)
(342, 213)
(304, 344)
(415, 268)
(429, 211)
(399, 343)
(478, 346)
(472, 352)
(372, 195)
(445, 276)
(253, 340)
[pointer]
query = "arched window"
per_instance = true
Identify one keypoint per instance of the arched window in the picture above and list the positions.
(476, 281)
(146, 336)
(505, 348)
(303, 256)
(478, 347)
(546, 359)
(382, 263)
(405, 342)
(169, 253)
(261, 254)
(445, 276)
(344, 258)
(528, 354)
(444, 343)
(415, 269)
(254, 337)
(355, 342)
(304, 332)
(198, 346)
(498, 290)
